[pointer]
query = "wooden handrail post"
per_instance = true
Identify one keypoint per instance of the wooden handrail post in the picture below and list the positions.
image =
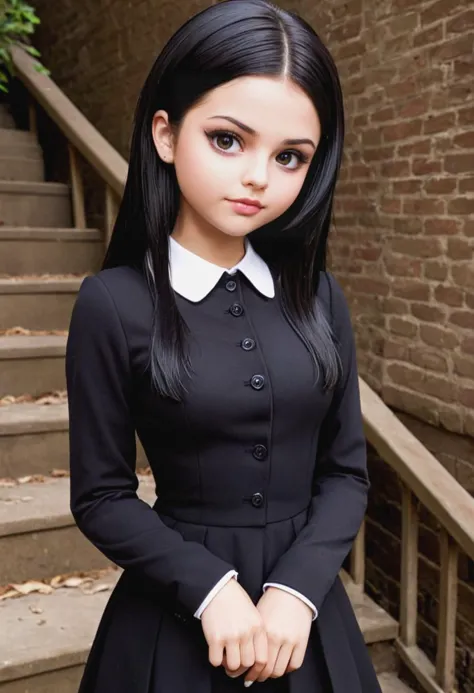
(358, 558)
(409, 569)
(77, 190)
(448, 594)
(111, 210)
(33, 123)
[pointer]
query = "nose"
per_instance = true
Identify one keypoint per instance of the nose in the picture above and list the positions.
(255, 173)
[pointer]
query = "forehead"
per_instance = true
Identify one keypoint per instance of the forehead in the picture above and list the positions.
(264, 103)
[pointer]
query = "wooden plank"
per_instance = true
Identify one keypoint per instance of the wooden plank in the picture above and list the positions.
(77, 190)
(431, 483)
(409, 569)
(420, 666)
(78, 130)
(111, 210)
(448, 597)
(358, 558)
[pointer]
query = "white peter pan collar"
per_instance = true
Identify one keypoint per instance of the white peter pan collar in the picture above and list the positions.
(193, 277)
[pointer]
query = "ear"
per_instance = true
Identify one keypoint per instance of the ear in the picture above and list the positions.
(163, 136)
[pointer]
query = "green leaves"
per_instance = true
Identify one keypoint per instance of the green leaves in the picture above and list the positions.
(18, 22)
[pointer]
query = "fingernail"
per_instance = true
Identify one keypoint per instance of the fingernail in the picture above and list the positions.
(247, 683)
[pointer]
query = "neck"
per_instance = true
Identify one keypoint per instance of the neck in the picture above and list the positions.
(206, 241)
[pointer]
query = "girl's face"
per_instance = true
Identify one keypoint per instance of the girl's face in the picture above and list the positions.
(254, 138)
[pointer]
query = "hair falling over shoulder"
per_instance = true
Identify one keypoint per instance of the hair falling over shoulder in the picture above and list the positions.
(232, 39)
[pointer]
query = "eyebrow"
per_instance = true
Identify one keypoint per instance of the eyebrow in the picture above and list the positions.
(251, 131)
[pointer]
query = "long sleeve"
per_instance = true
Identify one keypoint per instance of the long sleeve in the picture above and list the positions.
(340, 483)
(103, 499)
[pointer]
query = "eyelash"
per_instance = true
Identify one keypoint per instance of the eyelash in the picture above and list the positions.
(302, 158)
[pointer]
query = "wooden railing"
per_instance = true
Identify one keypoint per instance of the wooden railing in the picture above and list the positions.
(424, 479)
(82, 137)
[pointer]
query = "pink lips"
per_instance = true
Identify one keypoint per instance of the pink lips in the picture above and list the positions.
(246, 206)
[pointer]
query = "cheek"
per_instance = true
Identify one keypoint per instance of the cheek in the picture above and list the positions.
(286, 189)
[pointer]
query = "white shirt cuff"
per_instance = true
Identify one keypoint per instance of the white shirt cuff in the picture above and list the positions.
(223, 581)
(295, 594)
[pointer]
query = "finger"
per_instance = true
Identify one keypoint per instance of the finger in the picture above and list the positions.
(261, 654)
(282, 660)
(296, 659)
(216, 653)
(232, 651)
(247, 653)
(273, 650)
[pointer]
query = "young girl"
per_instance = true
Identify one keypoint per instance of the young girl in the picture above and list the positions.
(214, 332)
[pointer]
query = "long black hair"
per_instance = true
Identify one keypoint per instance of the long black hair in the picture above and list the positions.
(232, 39)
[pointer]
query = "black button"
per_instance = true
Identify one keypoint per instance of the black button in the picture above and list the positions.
(236, 309)
(257, 382)
(231, 285)
(257, 500)
(247, 344)
(259, 452)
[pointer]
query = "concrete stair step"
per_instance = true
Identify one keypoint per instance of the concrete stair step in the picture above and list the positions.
(38, 536)
(51, 635)
(33, 250)
(21, 169)
(41, 304)
(21, 150)
(32, 364)
(34, 204)
(34, 439)
(13, 137)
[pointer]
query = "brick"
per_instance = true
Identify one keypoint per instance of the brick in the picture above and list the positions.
(461, 205)
(401, 131)
(466, 396)
(371, 137)
(402, 327)
(463, 276)
(410, 290)
(441, 227)
(462, 68)
(458, 163)
(438, 337)
(406, 187)
(396, 169)
(463, 366)
(396, 351)
(414, 148)
(465, 140)
(449, 296)
(424, 166)
(439, 123)
(379, 154)
(418, 247)
(440, 186)
(430, 360)
(466, 185)
(423, 206)
(403, 24)
(365, 285)
(428, 313)
(347, 30)
(460, 249)
(463, 318)
(402, 267)
(436, 270)
(466, 116)
(383, 115)
(412, 225)
(391, 205)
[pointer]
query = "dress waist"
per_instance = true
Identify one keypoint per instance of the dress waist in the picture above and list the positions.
(252, 512)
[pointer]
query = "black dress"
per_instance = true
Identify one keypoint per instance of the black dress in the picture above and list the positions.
(257, 470)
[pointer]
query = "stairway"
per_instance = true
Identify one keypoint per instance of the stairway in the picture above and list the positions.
(45, 637)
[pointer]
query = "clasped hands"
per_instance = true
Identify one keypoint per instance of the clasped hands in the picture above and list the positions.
(266, 641)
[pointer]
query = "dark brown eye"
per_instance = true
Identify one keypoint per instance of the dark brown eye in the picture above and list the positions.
(224, 141)
(285, 157)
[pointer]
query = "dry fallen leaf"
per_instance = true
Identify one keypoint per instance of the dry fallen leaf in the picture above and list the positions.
(32, 586)
(35, 609)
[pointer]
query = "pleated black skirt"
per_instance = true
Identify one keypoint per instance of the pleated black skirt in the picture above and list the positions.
(142, 647)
